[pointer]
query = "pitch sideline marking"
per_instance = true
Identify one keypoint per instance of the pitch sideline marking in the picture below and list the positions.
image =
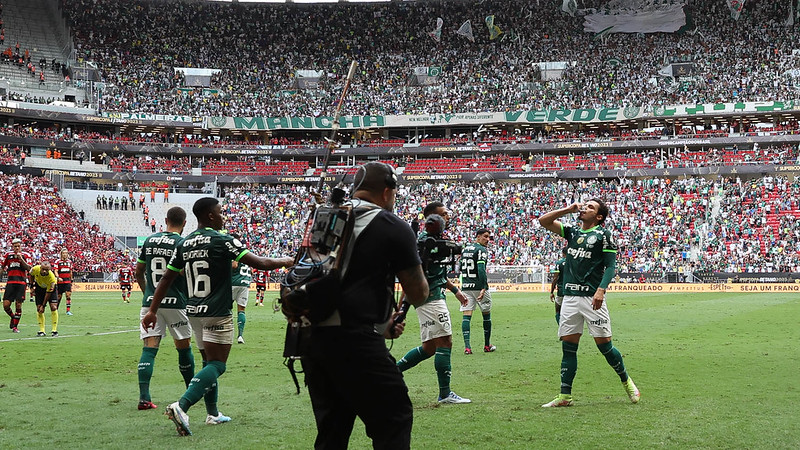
(67, 335)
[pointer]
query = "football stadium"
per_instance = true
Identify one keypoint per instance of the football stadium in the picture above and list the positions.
(555, 166)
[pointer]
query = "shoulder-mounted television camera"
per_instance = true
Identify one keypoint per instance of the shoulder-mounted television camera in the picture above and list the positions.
(315, 275)
(434, 249)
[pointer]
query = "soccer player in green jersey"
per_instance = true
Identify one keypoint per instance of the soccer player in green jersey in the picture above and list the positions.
(589, 267)
(475, 286)
(241, 277)
(205, 257)
(434, 318)
(557, 285)
(151, 265)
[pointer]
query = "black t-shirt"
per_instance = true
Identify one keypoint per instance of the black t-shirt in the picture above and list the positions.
(386, 246)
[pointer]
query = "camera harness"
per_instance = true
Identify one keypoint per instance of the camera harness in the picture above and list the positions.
(327, 247)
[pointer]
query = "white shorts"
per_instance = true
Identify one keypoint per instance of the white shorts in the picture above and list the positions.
(485, 304)
(240, 294)
(174, 320)
(559, 300)
(434, 320)
(575, 311)
(218, 330)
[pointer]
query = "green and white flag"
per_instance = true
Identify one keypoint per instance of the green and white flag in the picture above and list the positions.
(494, 30)
(436, 34)
(570, 7)
(601, 36)
(466, 30)
(736, 8)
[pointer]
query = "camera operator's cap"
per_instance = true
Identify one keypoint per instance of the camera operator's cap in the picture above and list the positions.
(16, 241)
(374, 176)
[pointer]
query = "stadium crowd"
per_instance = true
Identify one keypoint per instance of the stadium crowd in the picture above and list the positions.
(35, 212)
(662, 225)
(744, 60)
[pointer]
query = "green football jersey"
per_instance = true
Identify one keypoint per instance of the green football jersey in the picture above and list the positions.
(241, 275)
(560, 271)
(473, 267)
(584, 267)
(156, 253)
(436, 275)
(206, 255)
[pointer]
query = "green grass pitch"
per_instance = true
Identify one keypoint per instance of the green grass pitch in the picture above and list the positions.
(715, 371)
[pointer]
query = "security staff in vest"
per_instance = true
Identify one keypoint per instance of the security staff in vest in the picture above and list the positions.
(348, 369)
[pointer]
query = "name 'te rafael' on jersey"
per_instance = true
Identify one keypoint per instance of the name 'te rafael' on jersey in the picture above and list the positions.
(156, 253)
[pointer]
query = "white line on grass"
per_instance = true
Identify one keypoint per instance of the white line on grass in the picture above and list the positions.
(67, 335)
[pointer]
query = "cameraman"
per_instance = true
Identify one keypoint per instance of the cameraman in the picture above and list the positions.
(348, 370)
(434, 318)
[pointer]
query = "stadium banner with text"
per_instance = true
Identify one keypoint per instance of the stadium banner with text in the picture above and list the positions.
(155, 118)
(584, 115)
(545, 288)
(590, 115)
(677, 288)
(87, 116)
(94, 287)
(581, 115)
(114, 287)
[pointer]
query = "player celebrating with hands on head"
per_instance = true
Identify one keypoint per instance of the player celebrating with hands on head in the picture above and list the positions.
(205, 257)
(589, 267)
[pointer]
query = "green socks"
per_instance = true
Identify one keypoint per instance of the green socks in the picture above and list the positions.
(569, 365)
(242, 319)
(443, 370)
(211, 396)
(465, 324)
(412, 358)
(614, 359)
(146, 372)
(186, 364)
(441, 362)
(203, 382)
(487, 328)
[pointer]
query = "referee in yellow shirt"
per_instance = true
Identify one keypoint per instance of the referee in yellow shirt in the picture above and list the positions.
(44, 282)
